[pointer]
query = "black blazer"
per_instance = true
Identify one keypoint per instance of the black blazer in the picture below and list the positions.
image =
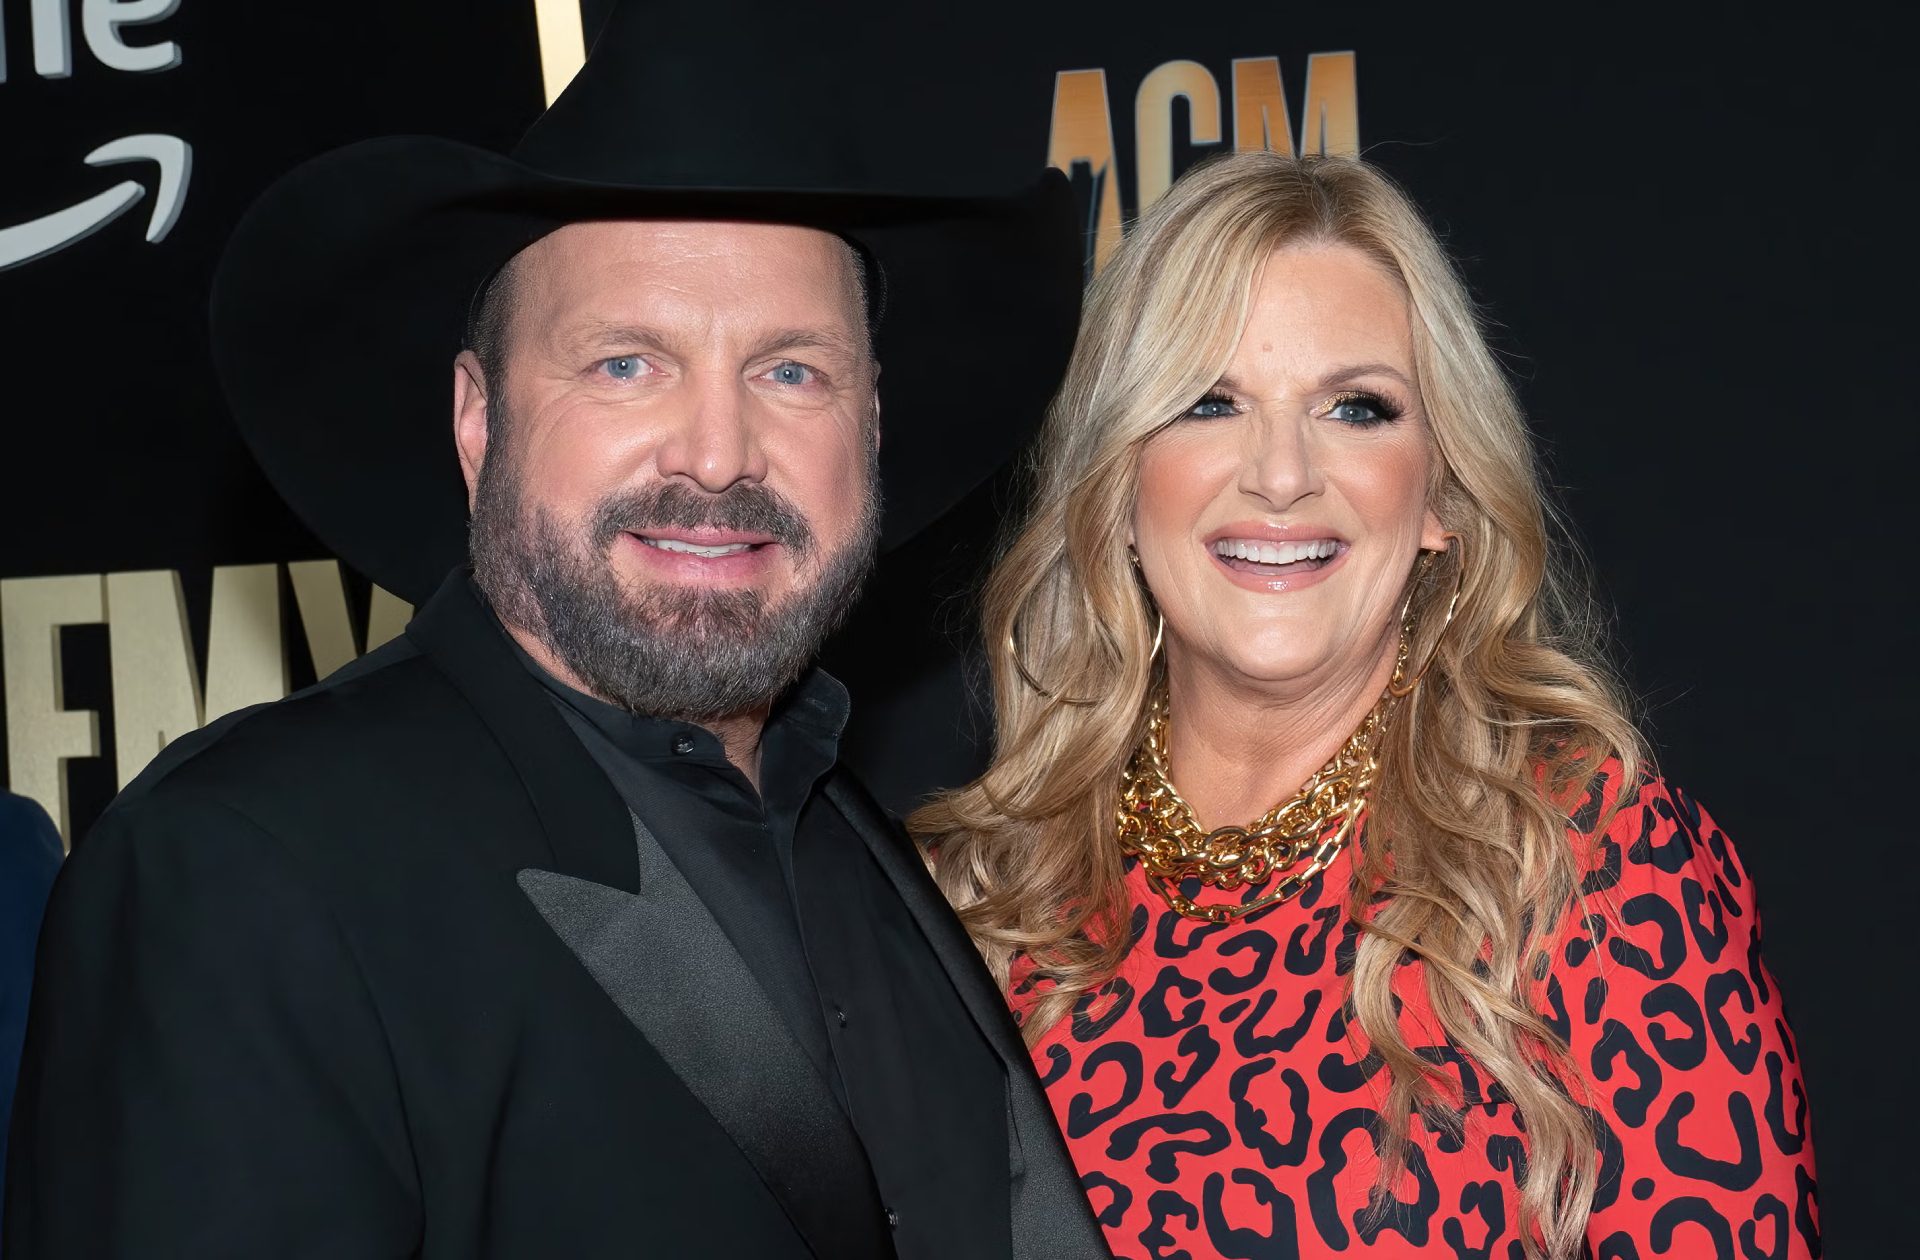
(374, 971)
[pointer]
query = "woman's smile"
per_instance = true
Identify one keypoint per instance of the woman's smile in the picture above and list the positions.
(1275, 559)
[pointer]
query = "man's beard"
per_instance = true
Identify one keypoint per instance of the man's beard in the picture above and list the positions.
(663, 650)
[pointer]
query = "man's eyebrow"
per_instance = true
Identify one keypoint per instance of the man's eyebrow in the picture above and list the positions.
(606, 335)
(785, 339)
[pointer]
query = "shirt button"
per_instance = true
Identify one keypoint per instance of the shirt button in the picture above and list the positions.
(682, 745)
(841, 1016)
(893, 1219)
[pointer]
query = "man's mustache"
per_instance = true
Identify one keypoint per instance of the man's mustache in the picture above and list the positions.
(746, 506)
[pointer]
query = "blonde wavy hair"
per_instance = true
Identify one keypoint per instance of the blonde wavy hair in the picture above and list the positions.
(1467, 832)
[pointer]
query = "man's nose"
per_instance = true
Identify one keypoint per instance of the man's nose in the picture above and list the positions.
(715, 441)
(1278, 466)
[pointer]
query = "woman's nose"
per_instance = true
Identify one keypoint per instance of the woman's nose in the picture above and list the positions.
(1278, 465)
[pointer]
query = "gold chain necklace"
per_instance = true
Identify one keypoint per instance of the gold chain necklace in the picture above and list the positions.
(1157, 825)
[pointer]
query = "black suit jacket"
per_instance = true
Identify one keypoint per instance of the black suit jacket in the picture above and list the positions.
(388, 969)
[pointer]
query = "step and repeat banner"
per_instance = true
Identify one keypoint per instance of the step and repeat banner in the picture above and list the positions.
(1688, 228)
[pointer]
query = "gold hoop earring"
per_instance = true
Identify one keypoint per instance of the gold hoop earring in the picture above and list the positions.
(1402, 690)
(1026, 676)
(1160, 618)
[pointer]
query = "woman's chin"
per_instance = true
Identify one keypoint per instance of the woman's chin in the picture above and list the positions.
(1280, 672)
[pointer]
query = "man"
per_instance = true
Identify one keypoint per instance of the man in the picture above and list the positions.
(29, 859)
(552, 928)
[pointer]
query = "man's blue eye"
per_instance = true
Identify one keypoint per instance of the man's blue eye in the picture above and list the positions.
(624, 368)
(792, 374)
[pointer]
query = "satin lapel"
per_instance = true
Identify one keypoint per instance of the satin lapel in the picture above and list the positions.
(673, 973)
(1051, 1217)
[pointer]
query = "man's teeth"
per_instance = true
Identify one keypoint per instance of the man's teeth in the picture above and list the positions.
(1275, 553)
(695, 549)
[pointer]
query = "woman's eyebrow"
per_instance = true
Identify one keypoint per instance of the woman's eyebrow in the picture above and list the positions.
(1332, 380)
(1345, 375)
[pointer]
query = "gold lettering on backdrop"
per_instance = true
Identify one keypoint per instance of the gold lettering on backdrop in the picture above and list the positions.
(321, 595)
(156, 698)
(1082, 128)
(1260, 106)
(563, 43)
(156, 695)
(1083, 133)
(322, 601)
(42, 734)
(1330, 121)
(1153, 122)
(387, 616)
(246, 663)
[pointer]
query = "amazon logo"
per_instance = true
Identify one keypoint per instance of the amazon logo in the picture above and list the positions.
(51, 233)
(103, 27)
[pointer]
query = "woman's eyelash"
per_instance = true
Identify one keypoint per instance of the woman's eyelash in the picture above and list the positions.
(1383, 408)
(1213, 398)
(1218, 403)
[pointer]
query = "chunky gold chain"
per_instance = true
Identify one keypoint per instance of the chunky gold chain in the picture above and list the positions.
(1157, 825)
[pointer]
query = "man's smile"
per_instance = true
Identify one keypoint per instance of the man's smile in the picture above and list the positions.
(701, 554)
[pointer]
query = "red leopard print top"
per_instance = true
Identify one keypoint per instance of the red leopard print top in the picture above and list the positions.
(1217, 1102)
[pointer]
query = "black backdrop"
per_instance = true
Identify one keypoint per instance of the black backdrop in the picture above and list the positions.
(1690, 227)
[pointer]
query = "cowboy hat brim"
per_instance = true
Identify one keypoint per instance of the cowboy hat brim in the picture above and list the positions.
(343, 295)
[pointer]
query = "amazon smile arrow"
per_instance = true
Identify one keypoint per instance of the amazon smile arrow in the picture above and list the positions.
(53, 232)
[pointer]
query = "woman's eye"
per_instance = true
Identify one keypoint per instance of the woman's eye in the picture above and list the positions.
(1212, 407)
(791, 374)
(1354, 412)
(625, 367)
(1359, 410)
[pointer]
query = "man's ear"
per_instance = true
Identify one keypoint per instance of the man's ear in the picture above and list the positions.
(470, 418)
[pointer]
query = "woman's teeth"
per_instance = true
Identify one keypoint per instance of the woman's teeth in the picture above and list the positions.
(1257, 552)
(695, 549)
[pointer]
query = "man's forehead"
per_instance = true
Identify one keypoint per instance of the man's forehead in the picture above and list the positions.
(677, 244)
(621, 268)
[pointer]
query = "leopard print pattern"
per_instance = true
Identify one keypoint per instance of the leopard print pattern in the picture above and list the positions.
(1218, 1103)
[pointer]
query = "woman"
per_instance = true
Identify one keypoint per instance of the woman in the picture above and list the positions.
(1484, 986)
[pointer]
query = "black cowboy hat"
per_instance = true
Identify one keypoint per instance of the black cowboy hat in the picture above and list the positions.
(368, 258)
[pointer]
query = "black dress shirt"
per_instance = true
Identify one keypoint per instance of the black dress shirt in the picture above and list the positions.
(800, 896)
